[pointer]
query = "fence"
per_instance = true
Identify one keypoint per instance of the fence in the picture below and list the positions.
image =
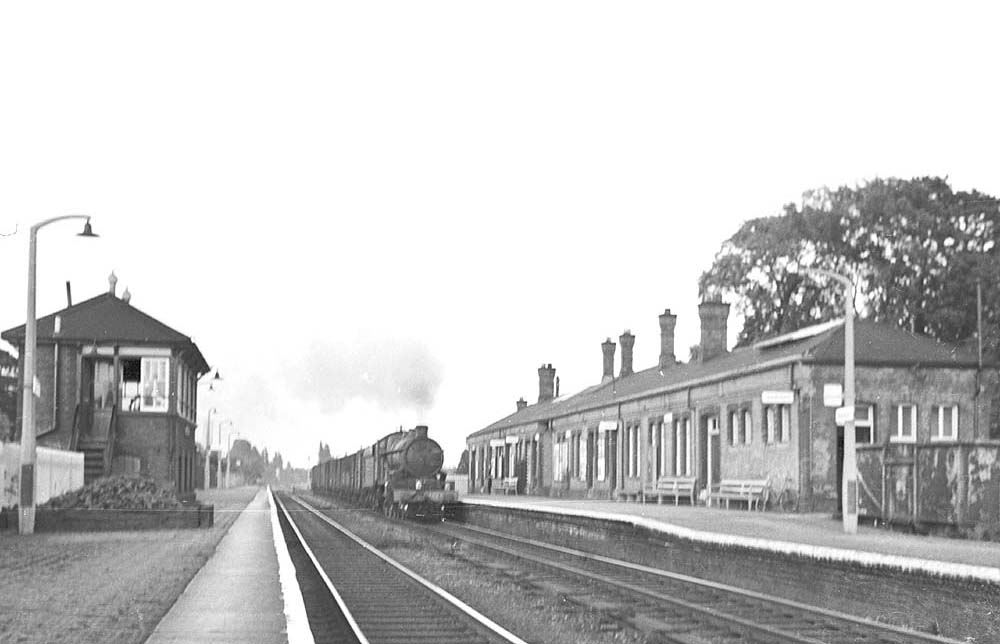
(936, 483)
(56, 472)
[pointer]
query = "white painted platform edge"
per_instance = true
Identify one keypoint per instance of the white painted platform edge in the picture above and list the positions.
(296, 623)
(989, 574)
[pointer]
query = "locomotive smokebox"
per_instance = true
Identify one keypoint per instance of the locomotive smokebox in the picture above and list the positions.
(416, 455)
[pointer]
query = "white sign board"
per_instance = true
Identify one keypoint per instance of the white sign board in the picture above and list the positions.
(607, 426)
(844, 414)
(833, 395)
(36, 387)
(777, 397)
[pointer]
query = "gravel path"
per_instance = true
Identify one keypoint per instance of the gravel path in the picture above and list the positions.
(107, 588)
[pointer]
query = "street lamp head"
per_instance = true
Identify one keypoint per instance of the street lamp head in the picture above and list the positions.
(87, 230)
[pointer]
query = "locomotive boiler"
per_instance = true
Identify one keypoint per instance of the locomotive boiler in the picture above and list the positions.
(400, 475)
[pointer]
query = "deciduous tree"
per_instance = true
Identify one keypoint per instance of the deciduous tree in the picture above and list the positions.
(915, 248)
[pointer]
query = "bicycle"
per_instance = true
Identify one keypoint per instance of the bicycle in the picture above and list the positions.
(785, 499)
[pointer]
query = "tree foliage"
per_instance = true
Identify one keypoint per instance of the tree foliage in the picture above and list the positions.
(914, 248)
(8, 394)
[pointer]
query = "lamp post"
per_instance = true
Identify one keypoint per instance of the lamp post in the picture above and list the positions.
(208, 425)
(208, 449)
(229, 457)
(849, 478)
(218, 462)
(26, 520)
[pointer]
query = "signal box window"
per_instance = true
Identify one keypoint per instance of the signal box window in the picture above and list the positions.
(145, 384)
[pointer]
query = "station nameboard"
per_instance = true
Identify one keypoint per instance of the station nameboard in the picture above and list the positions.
(777, 397)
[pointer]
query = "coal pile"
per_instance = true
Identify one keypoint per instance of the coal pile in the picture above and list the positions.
(117, 493)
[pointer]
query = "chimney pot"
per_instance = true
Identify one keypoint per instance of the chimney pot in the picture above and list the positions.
(521, 403)
(668, 322)
(627, 340)
(608, 348)
(546, 382)
(112, 283)
(714, 332)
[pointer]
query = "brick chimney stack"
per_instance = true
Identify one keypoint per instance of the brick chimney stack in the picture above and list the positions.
(627, 340)
(714, 319)
(521, 403)
(668, 322)
(608, 347)
(546, 382)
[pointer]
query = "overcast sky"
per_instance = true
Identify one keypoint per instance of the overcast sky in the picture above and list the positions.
(376, 214)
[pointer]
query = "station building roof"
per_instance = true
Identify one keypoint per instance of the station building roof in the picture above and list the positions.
(107, 318)
(875, 345)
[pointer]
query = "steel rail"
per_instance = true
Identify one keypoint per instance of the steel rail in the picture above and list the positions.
(483, 621)
(319, 569)
(704, 584)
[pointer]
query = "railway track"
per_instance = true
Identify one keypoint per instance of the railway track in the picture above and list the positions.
(364, 597)
(675, 608)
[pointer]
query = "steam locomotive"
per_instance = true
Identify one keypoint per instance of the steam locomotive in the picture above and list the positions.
(400, 475)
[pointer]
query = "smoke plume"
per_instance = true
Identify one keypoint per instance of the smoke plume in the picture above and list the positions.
(391, 373)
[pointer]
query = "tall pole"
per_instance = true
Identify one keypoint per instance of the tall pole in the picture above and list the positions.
(218, 461)
(26, 505)
(26, 521)
(208, 450)
(229, 457)
(849, 493)
(849, 477)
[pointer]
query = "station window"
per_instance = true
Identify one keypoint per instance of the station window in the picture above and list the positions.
(864, 424)
(561, 458)
(734, 427)
(905, 424)
(777, 423)
(145, 384)
(746, 427)
(602, 440)
(658, 447)
(632, 450)
(582, 456)
(945, 419)
(682, 446)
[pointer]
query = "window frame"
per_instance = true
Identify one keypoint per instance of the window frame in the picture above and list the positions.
(897, 435)
(938, 421)
(868, 423)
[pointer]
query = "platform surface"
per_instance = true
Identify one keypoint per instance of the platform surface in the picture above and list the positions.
(238, 596)
(808, 534)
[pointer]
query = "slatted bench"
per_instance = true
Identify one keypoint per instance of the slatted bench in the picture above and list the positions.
(508, 485)
(749, 491)
(671, 486)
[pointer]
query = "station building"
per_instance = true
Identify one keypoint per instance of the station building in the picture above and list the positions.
(758, 412)
(119, 386)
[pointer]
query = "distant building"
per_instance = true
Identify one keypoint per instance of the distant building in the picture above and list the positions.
(118, 385)
(753, 413)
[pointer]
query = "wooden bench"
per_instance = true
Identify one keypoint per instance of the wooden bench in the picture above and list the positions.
(749, 491)
(675, 486)
(508, 485)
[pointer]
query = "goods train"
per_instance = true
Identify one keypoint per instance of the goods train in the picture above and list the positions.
(400, 475)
